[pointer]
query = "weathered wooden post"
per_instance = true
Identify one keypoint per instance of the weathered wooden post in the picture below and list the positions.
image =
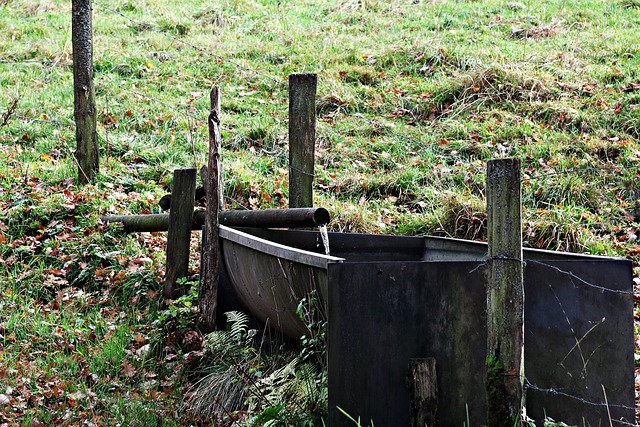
(302, 138)
(423, 392)
(505, 295)
(180, 223)
(84, 97)
(212, 180)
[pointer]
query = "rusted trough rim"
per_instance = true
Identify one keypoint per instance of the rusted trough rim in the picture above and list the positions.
(276, 249)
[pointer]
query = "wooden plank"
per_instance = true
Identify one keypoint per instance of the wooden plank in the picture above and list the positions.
(302, 138)
(505, 294)
(214, 190)
(85, 114)
(180, 224)
(423, 392)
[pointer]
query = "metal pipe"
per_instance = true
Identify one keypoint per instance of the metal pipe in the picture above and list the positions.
(140, 223)
(266, 218)
(276, 218)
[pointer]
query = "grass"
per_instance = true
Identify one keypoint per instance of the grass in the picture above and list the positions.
(413, 99)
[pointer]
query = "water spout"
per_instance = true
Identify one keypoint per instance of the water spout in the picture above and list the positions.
(322, 228)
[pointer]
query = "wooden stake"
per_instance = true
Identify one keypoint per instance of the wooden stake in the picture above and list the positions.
(180, 224)
(505, 294)
(208, 292)
(302, 138)
(84, 97)
(423, 392)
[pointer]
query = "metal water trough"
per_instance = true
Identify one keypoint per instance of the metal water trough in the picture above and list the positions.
(390, 299)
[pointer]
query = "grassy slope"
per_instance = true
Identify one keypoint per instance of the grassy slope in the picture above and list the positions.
(413, 99)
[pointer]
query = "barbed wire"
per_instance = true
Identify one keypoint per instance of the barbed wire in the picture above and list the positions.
(570, 274)
(573, 276)
(180, 111)
(156, 100)
(150, 98)
(183, 112)
(42, 120)
(49, 62)
(257, 142)
(275, 154)
(557, 392)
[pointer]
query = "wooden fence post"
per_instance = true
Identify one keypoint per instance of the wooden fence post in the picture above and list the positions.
(505, 294)
(423, 392)
(85, 114)
(214, 190)
(302, 138)
(180, 223)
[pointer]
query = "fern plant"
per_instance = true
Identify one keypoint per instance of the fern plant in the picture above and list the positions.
(224, 388)
(271, 387)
